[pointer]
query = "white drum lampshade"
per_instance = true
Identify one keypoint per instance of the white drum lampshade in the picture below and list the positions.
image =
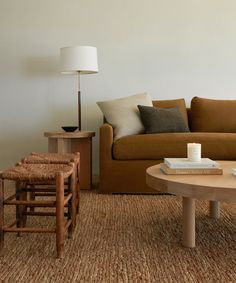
(82, 59)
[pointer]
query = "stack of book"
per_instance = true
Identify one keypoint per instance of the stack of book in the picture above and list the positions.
(182, 166)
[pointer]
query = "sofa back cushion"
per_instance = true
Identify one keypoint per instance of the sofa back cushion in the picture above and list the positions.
(210, 115)
(173, 103)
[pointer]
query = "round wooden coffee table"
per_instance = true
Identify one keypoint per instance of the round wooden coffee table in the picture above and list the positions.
(214, 188)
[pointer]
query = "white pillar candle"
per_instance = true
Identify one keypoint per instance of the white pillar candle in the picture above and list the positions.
(194, 152)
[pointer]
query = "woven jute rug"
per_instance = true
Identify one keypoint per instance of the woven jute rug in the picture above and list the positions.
(126, 238)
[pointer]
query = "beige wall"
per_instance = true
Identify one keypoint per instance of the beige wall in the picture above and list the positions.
(170, 48)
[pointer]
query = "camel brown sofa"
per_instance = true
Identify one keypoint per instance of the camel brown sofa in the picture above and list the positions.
(123, 162)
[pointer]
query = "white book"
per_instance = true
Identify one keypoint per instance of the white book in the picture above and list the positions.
(185, 163)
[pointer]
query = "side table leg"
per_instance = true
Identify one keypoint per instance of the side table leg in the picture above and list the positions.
(188, 222)
(63, 145)
(59, 145)
(214, 209)
(84, 147)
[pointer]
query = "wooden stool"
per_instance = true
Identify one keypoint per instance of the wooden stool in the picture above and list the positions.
(24, 174)
(56, 158)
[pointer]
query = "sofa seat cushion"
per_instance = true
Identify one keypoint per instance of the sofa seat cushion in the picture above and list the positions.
(211, 115)
(219, 146)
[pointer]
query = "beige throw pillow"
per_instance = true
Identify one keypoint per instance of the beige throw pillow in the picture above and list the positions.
(123, 114)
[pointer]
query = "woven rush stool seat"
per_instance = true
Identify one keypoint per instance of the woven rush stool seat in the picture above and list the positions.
(57, 158)
(39, 157)
(37, 172)
(65, 198)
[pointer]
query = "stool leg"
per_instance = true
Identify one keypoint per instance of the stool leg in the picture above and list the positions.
(32, 197)
(69, 217)
(20, 209)
(60, 229)
(24, 209)
(1, 214)
(19, 223)
(78, 187)
(77, 196)
(72, 187)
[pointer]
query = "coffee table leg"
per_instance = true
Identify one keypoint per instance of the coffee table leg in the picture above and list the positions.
(214, 209)
(188, 222)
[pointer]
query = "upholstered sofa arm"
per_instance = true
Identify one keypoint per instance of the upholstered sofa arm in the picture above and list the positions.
(106, 142)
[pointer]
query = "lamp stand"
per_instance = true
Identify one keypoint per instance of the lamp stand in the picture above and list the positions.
(79, 103)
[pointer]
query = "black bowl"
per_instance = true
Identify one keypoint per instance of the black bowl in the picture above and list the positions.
(69, 128)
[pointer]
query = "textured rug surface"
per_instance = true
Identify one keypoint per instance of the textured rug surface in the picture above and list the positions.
(126, 238)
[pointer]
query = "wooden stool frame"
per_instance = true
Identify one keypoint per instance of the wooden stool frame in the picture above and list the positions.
(56, 158)
(63, 198)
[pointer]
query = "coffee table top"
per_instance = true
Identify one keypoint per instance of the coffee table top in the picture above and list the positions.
(209, 187)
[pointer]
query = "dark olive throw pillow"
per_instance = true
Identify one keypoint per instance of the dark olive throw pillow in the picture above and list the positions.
(160, 120)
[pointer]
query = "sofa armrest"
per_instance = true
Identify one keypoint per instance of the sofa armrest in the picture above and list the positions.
(106, 142)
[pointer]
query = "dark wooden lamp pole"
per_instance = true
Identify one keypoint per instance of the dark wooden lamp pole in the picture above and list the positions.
(79, 103)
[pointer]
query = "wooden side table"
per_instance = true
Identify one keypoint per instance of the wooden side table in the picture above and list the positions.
(70, 142)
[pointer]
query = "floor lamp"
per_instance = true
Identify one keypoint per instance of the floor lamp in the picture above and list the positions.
(79, 60)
